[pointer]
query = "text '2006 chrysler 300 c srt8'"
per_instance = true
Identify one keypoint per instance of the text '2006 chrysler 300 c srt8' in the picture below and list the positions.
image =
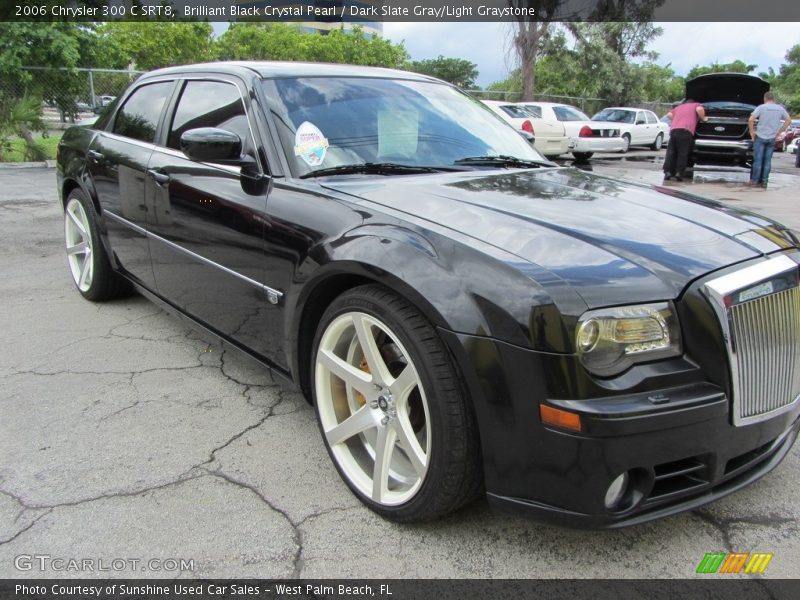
(464, 315)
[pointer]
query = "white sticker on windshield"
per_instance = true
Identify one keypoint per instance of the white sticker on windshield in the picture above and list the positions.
(310, 144)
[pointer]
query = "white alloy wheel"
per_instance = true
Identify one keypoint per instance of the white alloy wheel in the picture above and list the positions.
(372, 408)
(80, 249)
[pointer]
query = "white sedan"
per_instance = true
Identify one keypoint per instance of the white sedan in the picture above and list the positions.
(639, 127)
(586, 136)
(550, 137)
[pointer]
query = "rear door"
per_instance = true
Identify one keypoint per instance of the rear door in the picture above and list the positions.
(117, 161)
(206, 232)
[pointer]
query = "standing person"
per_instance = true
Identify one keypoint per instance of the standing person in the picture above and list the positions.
(765, 125)
(681, 133)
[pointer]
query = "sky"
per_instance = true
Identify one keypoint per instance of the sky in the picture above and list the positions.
(683, 45)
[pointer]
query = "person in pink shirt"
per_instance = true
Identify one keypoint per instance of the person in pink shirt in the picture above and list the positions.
(681, 133)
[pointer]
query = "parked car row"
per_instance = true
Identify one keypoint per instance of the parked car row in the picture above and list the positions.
(728, 99)
(561, 128)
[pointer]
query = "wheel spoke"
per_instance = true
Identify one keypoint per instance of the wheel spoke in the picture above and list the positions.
(359, 421)
(375, 361)
(85, 269)
(407, 439)
(404, 384)
(77, 222)
(81, 248)
(351, 375)
(384, 446)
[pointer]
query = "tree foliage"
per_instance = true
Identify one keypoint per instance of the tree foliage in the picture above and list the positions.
(736, 66)
(151, 45)
(787, 83)
(278, 41)
(457, 71)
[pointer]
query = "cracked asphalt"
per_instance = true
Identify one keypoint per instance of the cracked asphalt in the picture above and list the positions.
(125, 434)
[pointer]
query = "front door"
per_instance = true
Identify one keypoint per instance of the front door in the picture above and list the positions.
(206, 232)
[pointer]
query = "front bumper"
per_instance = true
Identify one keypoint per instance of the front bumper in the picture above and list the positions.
(674, 436)
(716, 151)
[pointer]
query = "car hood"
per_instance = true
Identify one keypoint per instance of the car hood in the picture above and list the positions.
(727, 87)
(614, 242)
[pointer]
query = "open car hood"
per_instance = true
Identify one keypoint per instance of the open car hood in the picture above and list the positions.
(727, 87)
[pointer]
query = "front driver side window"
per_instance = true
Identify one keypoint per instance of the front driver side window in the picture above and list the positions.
(210, 104)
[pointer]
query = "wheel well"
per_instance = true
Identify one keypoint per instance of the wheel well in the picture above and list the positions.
(319, 300)
(321, 297)
(69, 185)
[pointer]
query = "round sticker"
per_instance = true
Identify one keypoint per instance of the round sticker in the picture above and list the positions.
(310, 144)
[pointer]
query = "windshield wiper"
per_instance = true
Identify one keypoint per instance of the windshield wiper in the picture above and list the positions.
(378, 168)
(502, 160)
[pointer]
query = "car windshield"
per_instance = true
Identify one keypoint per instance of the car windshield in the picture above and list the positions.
(616, 115)
(326, 122)
(568, 113)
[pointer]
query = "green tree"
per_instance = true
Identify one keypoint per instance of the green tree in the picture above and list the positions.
(457, 71)
(607, 51)
(736, 66)
(151, 45)
(278, 41)
(787, 82)
(55, 47)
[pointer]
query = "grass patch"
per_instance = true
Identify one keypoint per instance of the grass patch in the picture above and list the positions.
(17, 151)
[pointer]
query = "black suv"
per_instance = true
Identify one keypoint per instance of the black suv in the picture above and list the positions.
(728, 99)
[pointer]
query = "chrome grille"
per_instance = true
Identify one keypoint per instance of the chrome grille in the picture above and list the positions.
(759, 311)
(766, 336)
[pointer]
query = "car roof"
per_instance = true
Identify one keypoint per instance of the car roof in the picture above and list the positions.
(276, 69)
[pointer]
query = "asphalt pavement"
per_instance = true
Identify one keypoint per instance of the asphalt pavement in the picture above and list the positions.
(126, 436)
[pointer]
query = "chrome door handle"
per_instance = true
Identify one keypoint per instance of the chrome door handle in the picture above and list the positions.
(160, 178)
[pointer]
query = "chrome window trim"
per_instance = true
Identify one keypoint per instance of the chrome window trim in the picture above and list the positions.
(716, 290)
(273, 295)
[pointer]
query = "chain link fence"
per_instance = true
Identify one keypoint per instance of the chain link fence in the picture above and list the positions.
(588, 105)
(69, 95)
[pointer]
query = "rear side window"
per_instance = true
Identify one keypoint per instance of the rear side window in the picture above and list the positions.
(536, 111)
(138, 117)
(210, 104)
(651, 118)
(517, 112)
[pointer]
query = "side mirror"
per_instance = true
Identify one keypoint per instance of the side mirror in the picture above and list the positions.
(209, 144)
(641, 122)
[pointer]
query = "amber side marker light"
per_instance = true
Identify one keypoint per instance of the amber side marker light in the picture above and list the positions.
(559, 418)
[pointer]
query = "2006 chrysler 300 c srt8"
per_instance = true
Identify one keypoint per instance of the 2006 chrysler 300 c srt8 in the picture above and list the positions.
(464, 315)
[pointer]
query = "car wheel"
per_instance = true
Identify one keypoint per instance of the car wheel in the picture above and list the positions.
(581, 156)
(87, 259)
(659, 142)
(626, 143)
(391, 410)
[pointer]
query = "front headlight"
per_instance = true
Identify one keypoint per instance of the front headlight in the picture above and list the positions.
(610, 340)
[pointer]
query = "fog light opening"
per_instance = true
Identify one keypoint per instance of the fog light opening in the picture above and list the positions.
(617, 491)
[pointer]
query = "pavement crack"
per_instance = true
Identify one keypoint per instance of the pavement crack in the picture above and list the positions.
(297, 533)
(723, 525)
(105, 496)
(26, 528)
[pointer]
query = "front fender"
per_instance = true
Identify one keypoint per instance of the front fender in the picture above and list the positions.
(474, 289)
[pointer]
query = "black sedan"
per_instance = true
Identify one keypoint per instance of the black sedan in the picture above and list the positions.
(463, 314)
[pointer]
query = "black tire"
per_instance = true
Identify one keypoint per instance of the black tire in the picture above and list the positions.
(444, 421)
(627, 140)
(658, 143)
(103, 283)
(582, 156)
